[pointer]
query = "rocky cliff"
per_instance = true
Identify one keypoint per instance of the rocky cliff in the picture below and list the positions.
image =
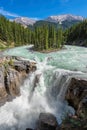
(13, 71)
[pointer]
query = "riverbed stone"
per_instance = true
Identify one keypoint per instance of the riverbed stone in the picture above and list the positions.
(47, 121)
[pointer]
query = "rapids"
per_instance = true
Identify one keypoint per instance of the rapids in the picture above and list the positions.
(55, 70)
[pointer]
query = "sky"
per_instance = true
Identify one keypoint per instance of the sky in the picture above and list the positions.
(40, 9)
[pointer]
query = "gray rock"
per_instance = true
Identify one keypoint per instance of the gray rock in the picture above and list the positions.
(77, 93)
(13, 72)
(47, 121)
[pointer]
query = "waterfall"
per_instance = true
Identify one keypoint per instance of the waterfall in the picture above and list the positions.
(43, 91)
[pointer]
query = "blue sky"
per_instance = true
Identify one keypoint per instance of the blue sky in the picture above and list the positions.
(40, 9)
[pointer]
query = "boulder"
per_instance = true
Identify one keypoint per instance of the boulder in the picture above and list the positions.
(76, 94)
(47, 121)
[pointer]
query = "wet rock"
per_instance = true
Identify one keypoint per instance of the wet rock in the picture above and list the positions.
(3, 93)
(24, 66)
(29, 129)
(82, 108)
(13, 72)
(36, 80)
(12, 82)
(47, 121)
(77, 94)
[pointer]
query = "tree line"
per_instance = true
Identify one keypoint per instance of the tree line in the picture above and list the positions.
(77, 34)
(43, 37)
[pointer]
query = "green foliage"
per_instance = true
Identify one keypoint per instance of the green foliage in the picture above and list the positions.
(47, 38)
(11, 62)
(77, 34)
(44, 37)
(65, 24)
(11, 32)
(72, 122)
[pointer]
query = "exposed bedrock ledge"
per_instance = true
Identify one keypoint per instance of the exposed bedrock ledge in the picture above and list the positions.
(77, 96)
(13, 72)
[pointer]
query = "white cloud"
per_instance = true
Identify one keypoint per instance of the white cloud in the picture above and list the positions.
(7, 13)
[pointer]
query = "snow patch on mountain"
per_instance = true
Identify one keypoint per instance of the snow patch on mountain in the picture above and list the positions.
(60, 18)
(25, 21)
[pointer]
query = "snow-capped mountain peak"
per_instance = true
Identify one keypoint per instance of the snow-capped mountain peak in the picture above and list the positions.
(25, 21)
(61, 18)
(55, 19)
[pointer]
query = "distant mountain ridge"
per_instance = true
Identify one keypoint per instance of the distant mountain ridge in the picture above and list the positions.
(63, 20)
(25, 21)
(60, 18)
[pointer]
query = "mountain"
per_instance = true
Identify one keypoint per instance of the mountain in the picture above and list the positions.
(64, 21)
(61, 18)
(25, 21)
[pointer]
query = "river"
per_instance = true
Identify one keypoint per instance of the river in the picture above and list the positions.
(55, 70)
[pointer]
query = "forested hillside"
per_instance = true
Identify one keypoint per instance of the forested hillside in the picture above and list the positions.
(77, 34)
(12, 33)
(64, 25)
(43, 37)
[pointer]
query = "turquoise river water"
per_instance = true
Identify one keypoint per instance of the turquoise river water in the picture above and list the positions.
(55, 70)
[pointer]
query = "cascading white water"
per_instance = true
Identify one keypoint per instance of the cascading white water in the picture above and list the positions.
(43, 95)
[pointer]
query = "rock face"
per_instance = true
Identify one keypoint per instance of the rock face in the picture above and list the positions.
(77, 95)
(13, 71)
(3, 92)
(47, 121)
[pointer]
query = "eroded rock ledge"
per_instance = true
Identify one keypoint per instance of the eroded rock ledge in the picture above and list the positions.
(13, 71)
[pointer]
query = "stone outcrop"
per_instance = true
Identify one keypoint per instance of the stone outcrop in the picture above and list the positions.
(77, 95)
(13, 71)
(47, 121)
